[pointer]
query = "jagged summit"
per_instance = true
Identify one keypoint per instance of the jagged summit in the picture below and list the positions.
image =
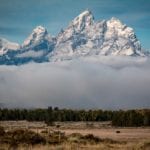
(39, 30)
(116, 23)
(85, 37)
(82, 37)
(114, 19)
(38, 34)
(85, 19)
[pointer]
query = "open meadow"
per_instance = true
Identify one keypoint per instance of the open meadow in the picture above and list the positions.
(24, 135)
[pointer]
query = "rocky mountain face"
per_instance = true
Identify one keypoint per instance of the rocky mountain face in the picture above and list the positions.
(82, 37)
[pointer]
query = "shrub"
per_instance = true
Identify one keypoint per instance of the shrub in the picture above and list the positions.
(2, 131)
(145, 146)
(75, 138)
(79, 138)
(56, 137)
(75, 135)
(91, 138)
(20, 136)
(44, 132)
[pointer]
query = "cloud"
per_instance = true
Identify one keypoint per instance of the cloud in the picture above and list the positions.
(100, 82)
(30, 53)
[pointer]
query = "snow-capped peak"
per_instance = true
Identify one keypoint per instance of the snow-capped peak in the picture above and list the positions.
(39, 30)
(114, 19)
(77, 27)
(38, 34)
(82, 37)
(115, 22)
(82, 21)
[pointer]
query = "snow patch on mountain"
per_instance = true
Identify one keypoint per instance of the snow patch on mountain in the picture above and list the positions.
(6, 45)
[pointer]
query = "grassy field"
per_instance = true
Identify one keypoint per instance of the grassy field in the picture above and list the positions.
(23, 135)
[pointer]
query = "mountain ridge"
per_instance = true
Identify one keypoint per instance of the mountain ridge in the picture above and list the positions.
(83, 37)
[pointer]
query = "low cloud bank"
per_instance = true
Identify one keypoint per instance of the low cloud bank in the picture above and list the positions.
(98, 82)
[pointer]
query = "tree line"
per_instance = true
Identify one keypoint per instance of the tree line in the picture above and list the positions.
(49, 115)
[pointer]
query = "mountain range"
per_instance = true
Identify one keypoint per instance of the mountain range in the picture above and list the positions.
(83, 37)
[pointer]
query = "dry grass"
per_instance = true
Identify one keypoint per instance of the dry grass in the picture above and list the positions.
(81, 136)
(126, 134)
(143, 145)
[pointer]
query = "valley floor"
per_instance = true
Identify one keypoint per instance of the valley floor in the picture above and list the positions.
(111, 137)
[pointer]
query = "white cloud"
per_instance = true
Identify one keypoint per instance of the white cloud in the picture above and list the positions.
(100, 82)
(31, 53)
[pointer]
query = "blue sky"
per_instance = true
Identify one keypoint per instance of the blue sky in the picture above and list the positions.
(19, 17)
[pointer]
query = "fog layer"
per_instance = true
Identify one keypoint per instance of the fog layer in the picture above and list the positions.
(98, 82)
